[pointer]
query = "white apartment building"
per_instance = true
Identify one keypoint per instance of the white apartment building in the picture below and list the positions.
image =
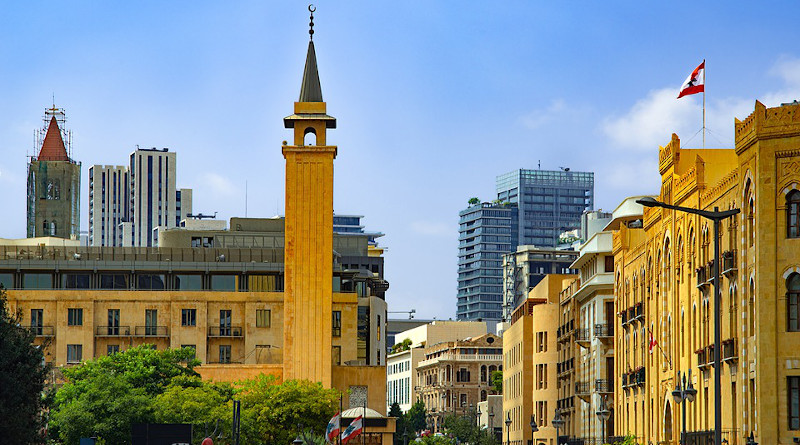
(594, 334)
(401, 366)
(127, 204)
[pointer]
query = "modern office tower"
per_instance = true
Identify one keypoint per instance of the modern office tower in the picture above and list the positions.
(486, 232)
(54, 182)
(109, 203)
(126, 204)
(344, 224)
(550, 202)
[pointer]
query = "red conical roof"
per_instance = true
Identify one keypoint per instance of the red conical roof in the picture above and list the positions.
(53, 148)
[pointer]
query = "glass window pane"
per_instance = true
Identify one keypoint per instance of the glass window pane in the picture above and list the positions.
(223, 282)
(189, 282)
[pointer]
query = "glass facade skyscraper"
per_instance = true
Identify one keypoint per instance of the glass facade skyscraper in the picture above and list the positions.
(549, 202)
(486, 232)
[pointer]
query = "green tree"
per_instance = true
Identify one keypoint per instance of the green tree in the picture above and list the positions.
(105, 405)
(22, 378)
(143, 367)
(497, 381)
(400, 426)
(276, 410)
(473, 201)
(436, 440)
(201, 404)
(415, 417)
(465, 429)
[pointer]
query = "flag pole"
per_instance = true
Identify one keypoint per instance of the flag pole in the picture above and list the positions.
(704, 103)
(364, 422)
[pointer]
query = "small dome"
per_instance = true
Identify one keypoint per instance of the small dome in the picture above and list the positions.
(352, 413)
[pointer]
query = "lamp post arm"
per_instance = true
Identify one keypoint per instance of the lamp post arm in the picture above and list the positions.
(716, 216)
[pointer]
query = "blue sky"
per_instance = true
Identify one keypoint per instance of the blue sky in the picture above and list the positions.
(433, 100)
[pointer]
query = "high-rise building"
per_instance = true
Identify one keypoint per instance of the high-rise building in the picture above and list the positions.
(54, 182)
(126, 204)
(109, 204)
(486, 232)
(549, 202)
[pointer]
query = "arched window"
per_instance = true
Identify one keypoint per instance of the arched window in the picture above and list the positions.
(793, 214)
(752, 307)
(732, 310)
(45, 227)
(793, 302)
(53, 228)
(310, 137)
(751, 225)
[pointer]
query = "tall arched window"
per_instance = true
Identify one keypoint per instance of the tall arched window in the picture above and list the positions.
(793, 214)
(752, 307)
(732, 310)
(793, 302)
(751, 222)
(53, 228)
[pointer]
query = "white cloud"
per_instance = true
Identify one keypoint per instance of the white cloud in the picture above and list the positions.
(651, 121)
(432, 228)
(218, 186)
(538, 118)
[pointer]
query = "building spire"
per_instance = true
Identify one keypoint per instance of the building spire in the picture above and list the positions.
(311, 91)
(53, 148)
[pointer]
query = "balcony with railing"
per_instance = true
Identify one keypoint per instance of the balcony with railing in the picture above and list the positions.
(565, 330)
(624, 317)
(583, 390)
(42, 331)
(150, 331)
(604, 331)
(729, 262)
(634, 378)
(729, 352)
(638, 312)
(603, 386)
(225, 331)
(565, 367)
(582, 337)
(112, 331)
(566, 404)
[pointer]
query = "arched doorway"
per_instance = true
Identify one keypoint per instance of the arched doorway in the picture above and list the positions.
(668, 422)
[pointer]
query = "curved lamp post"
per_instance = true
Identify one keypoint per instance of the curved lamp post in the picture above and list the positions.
(684, 393)
(491, 423)
(534, 429)
(751, 440)
(508, 429)
(558, 422)
(603, 414)
(715, 216)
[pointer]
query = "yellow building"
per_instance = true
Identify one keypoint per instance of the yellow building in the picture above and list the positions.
(663, 273)
(284, 304)
(531, 364)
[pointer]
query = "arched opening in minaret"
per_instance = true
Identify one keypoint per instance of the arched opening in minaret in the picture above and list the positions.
(310, 136)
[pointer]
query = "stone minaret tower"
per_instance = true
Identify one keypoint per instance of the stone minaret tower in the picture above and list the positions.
(309, 234)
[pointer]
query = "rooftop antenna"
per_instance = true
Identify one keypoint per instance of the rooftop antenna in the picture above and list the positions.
(245, 198)
(540, 164)
(311, 9)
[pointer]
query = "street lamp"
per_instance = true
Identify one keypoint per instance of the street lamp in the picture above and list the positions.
(479, 413)
(405, 436)
(751, 440)
(603, 414)
(491, 423)
(684, 393)
(508, 428)
(558, 422)
(715, 216)
(534, 429)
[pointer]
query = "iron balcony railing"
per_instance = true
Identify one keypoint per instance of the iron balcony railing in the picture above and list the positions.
(729, 352)
(225, 331)
(151, 331)
(582, 389)
(728, 262)
(112, 331)
(43, 331)
(603, 386)
(604, 330)
(582, 336)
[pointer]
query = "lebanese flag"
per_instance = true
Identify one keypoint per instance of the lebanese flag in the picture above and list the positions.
(333, 428)
(353, 430)
(695, 83)
(653, 342)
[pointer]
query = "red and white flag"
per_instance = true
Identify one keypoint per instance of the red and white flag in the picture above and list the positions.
(695, 83)
(653, 342)
(332, 431)
(353, 430)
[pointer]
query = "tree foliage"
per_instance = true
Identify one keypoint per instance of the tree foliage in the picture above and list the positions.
(497, 381)
(22, 379)
(105, 396)
(465, 429)
(415, 417)
(473, 201)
